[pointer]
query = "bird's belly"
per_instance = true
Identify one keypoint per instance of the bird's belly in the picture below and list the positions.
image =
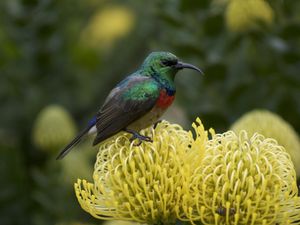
(150, 118)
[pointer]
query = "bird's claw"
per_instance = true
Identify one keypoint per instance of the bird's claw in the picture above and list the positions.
(136, 135)
(140, 138)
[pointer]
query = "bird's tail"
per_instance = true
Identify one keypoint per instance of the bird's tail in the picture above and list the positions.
(74, 142)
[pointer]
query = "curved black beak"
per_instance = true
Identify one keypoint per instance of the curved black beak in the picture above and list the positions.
(182, 65)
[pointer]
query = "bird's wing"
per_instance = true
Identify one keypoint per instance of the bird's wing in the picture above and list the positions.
(129, 101)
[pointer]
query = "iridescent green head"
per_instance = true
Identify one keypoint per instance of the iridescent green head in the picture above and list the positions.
(164, 64)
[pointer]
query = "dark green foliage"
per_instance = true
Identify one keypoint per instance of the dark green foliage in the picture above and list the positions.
(258, 69)
(42, 62)
(14, 184)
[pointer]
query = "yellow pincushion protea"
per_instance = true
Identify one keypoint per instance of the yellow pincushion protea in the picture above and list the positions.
(272, 126)
(143, 183)
(243, 15)
(243, 180)
(53, 128)
(229, 179)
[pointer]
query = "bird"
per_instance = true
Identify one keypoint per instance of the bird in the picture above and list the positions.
(137, 102)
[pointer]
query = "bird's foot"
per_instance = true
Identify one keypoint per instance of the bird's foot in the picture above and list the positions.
(139, 137)
(157, 122)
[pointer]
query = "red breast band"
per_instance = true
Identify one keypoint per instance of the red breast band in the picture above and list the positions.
(164, 100)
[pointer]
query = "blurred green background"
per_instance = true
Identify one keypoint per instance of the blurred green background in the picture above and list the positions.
(71, 53)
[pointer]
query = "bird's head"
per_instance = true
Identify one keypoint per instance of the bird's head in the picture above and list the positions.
(165, 64)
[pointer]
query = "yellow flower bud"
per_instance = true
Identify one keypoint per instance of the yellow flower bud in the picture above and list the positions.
(107, 26)
(73, 223)
(243, 15)
(78, 164)
(53, 128)
(272, 126)
(120, 222)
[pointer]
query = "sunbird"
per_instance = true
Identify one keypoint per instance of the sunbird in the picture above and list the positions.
(137, 102)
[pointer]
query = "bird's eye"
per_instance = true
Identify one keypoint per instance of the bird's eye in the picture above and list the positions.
(169, 62)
